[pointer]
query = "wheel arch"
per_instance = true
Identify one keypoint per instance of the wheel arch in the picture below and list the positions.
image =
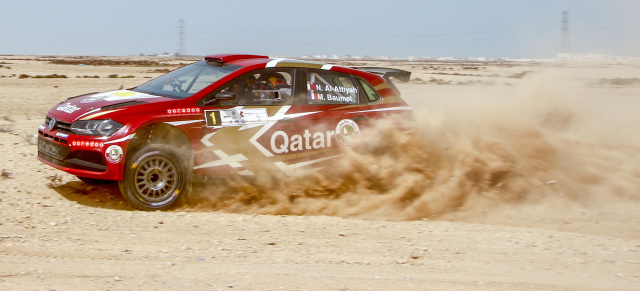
(164, 134)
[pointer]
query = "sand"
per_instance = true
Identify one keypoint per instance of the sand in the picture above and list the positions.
(518, 176)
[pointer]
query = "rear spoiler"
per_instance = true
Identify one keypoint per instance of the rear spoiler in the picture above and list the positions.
(387, 73)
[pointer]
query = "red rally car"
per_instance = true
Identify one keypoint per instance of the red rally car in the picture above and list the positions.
(228, 114)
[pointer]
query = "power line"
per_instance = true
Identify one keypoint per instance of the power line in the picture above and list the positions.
(318, 37)
(308, 30)
(379, 41)
(313, 37)
(606, 20)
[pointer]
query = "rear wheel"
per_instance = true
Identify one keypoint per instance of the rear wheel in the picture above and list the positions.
(155, 178)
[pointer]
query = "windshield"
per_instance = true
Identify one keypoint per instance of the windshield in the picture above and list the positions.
(187, 80)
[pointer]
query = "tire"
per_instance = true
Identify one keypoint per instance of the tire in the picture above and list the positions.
(92, 181)
(155, 178)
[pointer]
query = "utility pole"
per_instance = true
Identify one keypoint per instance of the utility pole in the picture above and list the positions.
(181, 34)
(565, 46)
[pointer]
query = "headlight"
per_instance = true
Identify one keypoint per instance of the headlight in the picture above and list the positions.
(95, 127)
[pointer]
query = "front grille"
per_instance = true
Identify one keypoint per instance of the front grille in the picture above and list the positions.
(60, 140)
(60, 125)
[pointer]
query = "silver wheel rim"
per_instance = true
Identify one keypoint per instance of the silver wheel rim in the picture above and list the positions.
(156, 179)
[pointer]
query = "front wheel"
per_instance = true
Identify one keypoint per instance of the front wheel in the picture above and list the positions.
(155, 178)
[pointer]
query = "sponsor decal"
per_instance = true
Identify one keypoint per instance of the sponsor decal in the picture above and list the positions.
(183, 110)
(117, 96)
(90, 100)
(49, 148)
(52, 149)
(68, 108)
(282, 143)
(62, 135)
(87, 144)
(236, 117)
(347, 133)
(113, 154)
(124, 93)
(42, 127)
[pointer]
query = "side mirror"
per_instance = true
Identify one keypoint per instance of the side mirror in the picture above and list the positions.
(222, 95)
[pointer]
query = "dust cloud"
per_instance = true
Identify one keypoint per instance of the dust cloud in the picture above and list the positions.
(549, 141)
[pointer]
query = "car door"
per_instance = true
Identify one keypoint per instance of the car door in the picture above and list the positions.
(246, 125)
(336, 101)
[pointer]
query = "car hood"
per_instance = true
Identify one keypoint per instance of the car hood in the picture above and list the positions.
(83, 106)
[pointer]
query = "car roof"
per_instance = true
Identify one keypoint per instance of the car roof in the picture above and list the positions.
(247, 60)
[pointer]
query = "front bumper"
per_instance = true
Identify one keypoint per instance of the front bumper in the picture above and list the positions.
(83, 156)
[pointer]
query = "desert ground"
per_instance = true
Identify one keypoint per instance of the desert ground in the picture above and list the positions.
(517, 176)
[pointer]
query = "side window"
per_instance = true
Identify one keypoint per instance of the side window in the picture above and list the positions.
(372, 93)
(331, 88)
(261, 87)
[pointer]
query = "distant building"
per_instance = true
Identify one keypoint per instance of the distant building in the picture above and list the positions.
(585, 57)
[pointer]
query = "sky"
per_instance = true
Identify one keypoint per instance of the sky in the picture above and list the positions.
(400, 29)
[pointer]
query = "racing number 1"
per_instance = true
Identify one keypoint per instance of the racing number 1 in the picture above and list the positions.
(212, 117)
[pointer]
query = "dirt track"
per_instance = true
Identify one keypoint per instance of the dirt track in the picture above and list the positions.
(562, 221)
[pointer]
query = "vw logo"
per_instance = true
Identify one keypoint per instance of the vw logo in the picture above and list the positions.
(52, 123)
